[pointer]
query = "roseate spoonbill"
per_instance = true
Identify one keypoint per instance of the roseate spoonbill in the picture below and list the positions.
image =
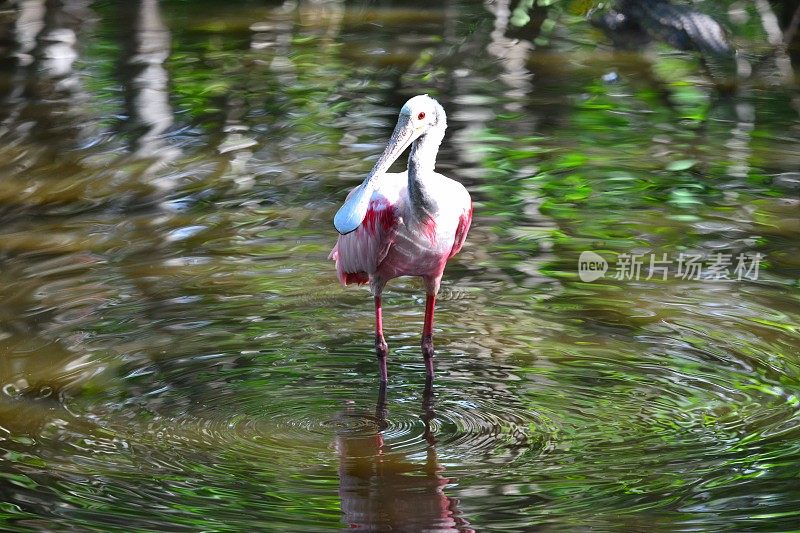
(406, 224)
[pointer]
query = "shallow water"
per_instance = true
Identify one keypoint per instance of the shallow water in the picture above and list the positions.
(177, 353)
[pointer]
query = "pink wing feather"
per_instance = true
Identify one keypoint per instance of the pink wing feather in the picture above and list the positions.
(464, 223)
(359, 253)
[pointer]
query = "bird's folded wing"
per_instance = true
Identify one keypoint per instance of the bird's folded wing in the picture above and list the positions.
(464, 223)
(363, 249)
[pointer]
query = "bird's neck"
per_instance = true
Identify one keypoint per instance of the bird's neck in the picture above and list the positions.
(421, 163)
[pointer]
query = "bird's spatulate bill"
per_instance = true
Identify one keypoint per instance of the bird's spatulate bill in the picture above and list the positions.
(352, 213)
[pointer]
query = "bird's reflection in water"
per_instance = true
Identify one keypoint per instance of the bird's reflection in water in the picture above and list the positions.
(383, 490)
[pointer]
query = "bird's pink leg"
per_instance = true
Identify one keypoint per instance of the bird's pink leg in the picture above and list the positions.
(381, 348)
(427, 335)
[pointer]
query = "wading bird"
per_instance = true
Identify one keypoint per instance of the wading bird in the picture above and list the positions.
(406, 224)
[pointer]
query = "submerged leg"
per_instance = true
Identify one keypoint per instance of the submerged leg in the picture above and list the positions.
(427, 335)
(381, 348)
(381, 411)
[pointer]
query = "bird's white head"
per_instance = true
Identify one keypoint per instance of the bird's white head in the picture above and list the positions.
(424, 113)
(418, 116)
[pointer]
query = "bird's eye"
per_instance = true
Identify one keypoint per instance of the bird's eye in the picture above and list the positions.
(421, 115)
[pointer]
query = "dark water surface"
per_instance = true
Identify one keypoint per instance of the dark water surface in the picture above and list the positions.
(176, 353)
